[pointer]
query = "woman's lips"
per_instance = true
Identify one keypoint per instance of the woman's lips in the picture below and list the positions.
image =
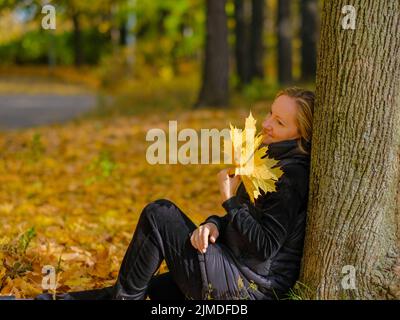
(266, 134)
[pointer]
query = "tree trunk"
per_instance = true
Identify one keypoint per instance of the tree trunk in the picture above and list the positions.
(123, 33)
(353, 210)
(284, 42)
(214, 91)
(242, 42)
(256, 44)
(309, 34)
(78, 55)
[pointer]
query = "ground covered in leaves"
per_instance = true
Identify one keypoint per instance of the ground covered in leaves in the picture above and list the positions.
(71, 195)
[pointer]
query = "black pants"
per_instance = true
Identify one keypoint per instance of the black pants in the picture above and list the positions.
(163, 232)
(161, 287)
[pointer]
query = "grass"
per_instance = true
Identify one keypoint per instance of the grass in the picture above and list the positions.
(300, 291)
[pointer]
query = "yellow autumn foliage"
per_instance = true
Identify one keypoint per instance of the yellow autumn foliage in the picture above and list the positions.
(250, 160)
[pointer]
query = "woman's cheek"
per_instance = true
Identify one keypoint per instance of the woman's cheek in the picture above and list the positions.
(275, 134)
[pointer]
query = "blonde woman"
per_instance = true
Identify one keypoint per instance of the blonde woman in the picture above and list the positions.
(252, 252)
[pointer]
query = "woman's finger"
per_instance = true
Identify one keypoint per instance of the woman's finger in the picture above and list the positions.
(197, 239)
(193, 239)
(214, 235)
(200, 239)
(204, 239)
(223, 173)
(237, 178)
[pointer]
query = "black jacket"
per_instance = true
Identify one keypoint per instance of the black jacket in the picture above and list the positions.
(267, 238)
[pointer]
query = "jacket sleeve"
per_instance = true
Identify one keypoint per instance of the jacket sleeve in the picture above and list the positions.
(220, 222)
(267, 233)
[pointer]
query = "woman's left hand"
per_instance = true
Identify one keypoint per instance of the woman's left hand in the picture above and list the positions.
(227, 185)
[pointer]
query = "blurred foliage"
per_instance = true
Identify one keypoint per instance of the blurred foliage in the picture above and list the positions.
(33, 47)
(130, 39)
(167, 30)
(145, 90)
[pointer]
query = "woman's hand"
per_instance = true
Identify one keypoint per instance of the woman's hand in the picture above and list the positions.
(227, 185)
(200, 236)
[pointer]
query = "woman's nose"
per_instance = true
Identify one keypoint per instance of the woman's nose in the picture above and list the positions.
(266, 125)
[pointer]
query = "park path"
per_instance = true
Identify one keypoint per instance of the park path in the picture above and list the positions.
(26, 110)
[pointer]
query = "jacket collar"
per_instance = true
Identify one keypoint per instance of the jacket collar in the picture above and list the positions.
(286, 149)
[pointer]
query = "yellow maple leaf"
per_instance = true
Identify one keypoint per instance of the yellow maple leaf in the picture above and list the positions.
(247, 157)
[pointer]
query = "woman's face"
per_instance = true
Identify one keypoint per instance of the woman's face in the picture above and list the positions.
(280, 123)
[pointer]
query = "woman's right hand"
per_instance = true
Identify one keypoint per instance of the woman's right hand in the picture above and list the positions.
(202, 234)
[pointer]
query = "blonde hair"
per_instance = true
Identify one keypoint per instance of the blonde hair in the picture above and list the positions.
(305, 101)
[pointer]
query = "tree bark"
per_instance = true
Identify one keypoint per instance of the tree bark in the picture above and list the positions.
(309, 34)
(256, 43)
(242, 46)
(353, 208)
(284, 42)
(214, 90)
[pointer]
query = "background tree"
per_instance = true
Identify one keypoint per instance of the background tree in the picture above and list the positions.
(242, 37)
(76, 15)
(256, 43)
(309, 34)
(249, 39)
(214, 90)
(353, 213)
(284, 42)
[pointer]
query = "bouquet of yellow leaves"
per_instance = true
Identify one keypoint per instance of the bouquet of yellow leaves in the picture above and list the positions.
(244, 149)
